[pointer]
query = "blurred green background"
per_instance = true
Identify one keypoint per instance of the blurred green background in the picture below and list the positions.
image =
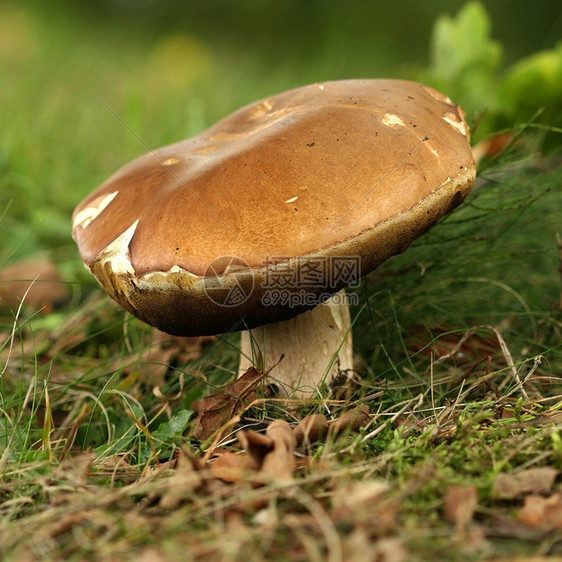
(87, 86)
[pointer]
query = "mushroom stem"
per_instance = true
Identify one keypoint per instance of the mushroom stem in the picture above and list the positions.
(316, 346)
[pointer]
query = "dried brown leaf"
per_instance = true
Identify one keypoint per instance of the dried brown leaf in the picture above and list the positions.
(37, 279)
(272, 454)
(542, 513)
(460, 503)
(187, 481)
(311, 428)
(537, 480)
(228, 466)
(365, 504)
(217, 409)
(280, 462)
(256, 446)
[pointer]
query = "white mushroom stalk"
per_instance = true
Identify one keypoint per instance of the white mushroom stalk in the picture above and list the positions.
(316, 346)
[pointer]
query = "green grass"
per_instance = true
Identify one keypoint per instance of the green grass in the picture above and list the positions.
(457, 340)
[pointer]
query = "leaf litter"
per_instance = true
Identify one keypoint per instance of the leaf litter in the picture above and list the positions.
(270, 482)
(217, 409)
(265, 472)
(275, 477)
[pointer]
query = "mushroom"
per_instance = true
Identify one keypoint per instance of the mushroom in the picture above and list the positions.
(260, 222)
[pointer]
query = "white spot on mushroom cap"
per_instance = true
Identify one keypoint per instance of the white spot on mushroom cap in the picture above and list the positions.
(117, 253)
(458, 125)
(292, 199)
(84, 217)
(161, 281)
(439, 96)
(392, 120)
(171, 161)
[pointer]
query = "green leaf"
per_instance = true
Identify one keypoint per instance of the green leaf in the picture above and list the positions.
(173, 429)
(465, 60)
(535, 81)
(463, 45)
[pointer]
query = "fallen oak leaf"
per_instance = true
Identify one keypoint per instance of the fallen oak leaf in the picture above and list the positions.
(310, 429)
(538, 480)
(228, 466)
(215, 410)
(280, 462)
(542, 513)
(271, 455)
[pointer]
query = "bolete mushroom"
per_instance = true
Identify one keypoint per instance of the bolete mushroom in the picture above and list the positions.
(256, 222)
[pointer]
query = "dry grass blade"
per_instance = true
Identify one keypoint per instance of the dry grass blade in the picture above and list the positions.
(559, 244)
(505, 351)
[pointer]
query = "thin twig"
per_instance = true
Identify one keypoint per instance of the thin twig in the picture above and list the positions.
(504, 349)
(559, 244)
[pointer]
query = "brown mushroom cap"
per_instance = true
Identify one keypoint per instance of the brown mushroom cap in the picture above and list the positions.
(354, 168)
